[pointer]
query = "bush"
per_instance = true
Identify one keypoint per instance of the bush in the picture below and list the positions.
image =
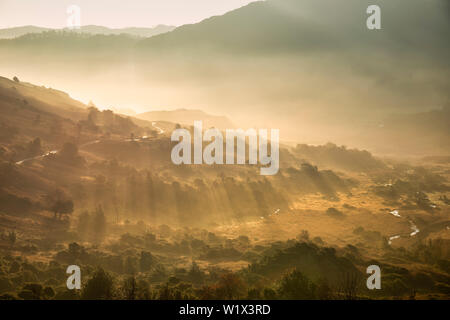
(230, 286)
(296, 286)
(99, 287)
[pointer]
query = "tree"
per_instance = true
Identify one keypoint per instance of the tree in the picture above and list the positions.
(303, 236)
(349, 286)
(165, 293)
(130, 265)
(230, 286)
(324, 290)
(146, 261)
(143, 291)
(48, 292)
(130, 288)
(296, 286)
(195, 274)
(16, 79)
(69, 154)
(99, 225)
(65, 207)
(59, 203)
(99, 287)
(93, 114)
(207, 292)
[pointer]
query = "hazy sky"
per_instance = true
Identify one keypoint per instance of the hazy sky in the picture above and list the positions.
(112, 13)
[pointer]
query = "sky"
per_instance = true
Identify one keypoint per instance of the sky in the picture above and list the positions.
(112, 13)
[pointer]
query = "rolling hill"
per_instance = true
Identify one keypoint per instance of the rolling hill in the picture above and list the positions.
(10, 33)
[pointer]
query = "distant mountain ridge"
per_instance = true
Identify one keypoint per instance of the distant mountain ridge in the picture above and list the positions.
(311, 25)
(10, 33)
(187, 117)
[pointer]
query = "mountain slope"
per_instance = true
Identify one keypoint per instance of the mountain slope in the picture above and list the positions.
(51, 100)
(292, 25)
(34, 119)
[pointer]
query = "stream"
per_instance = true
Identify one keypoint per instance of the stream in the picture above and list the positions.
(414, 228)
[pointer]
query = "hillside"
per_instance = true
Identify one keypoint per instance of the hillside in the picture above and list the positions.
(51, 117)
(90, 186)
(293, 26)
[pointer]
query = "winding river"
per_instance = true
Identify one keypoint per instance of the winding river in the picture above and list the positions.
(414, 228)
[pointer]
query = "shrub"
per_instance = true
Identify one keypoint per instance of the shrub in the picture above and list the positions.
(296, 286)
(100, 286)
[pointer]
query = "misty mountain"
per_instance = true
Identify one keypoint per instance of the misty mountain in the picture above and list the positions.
(10, 33)
(139, 32)
(363, 162)
(299, 26)
(304, 66)
(47, 138)
(418, 133)
(187, 117)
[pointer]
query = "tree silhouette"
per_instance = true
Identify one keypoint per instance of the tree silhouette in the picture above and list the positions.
(99, 224)
(130, 288)
(230, 286)
(350, 285)
(58, 203)
(99, 287)
(296, 286)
